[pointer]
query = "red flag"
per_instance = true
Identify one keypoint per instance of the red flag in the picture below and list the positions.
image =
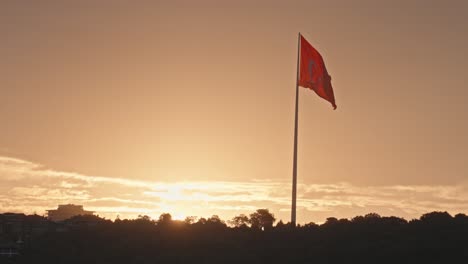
(313, 74)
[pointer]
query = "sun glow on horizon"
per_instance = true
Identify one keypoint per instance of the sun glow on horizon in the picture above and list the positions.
(188, 107)
(29, 187)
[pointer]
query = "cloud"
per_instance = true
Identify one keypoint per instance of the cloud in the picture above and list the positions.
(30, 187)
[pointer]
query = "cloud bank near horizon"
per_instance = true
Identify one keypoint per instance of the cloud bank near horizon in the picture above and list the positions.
(32, 188)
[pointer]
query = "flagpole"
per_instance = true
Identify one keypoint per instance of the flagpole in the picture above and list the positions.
(294, 181)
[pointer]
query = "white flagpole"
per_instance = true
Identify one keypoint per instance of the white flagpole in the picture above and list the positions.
(294, 181)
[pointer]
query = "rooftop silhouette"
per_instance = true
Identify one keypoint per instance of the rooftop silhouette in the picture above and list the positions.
(66, 211)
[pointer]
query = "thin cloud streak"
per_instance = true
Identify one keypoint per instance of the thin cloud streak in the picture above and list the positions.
(30, 187)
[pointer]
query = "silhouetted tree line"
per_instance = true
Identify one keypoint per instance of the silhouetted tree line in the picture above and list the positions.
(435, 237)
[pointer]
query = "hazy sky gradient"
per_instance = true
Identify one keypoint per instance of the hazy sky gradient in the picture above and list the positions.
(203, 91)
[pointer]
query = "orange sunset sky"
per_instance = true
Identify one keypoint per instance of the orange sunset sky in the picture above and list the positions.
(187, 107)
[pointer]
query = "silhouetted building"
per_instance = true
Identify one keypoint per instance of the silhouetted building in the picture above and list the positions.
(11, 223)
(66, 211)
(8, 249)
(37, 225)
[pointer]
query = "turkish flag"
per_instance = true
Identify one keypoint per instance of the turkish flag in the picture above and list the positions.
(313, 74)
